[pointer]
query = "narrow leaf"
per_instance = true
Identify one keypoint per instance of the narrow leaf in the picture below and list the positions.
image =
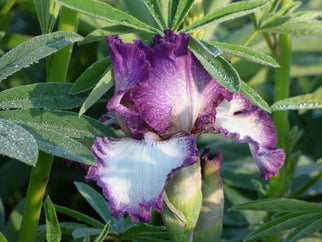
(89, 78)
(246, 53)
(87, 237)
(2, 216)
(155, 10)
(63, 122)
(280, 205)
(17, 143)
(33, 50)
(172, 9)
(297, 28)
(79, 216)
(307, 101)
(183, 9)
(229, 12)
(2, 238)
(106, 12)
(47, 11)
(41, 95)
(95, 199)
(99, 90)
(53, 232)
(219, 68)
(283, 223)
(251, 94)
(85, 233)
(13, 225)
(305, 230)
(306, 16)
(101, 237)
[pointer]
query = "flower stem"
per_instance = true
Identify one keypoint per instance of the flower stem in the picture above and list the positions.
(36, 189)
(69, 20)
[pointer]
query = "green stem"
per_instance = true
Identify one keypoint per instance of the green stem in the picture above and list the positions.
(36, 189)
(246, 43)
(60, 60)
(40, 174)
(6, 8)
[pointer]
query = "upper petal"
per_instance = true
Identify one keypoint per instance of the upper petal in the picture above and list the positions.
(238, 118)
(179, 90)
(133, 173)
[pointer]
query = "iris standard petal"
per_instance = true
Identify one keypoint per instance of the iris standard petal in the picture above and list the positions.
(241, 120)
(179, 92)
(133, 173)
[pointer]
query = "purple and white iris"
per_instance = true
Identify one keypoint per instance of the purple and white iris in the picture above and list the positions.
(163, 100)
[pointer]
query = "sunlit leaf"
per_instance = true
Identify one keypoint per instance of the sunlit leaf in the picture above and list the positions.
(183, 8)
(33, 50)
(53, 232)
(47, 11)
(2, 238)
(40, 95)
(155, 10)
(254, 96)
(297, 28)
(106, 12)
(101, 237)
(91, 76)
(229, 12)
(307, 101)
(16, 142)
(246, 53)
(219, 68)
(305, 230)
(98, 91)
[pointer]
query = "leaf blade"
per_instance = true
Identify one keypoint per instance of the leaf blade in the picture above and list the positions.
(53, 231)
(227, 13)
(16, 142)
(307, 101)
(106, 12)
(101, 237)
(33, 50)
(47, 11)
(155, 10)
(40, 95)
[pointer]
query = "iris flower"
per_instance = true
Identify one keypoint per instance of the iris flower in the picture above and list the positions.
(164, 98)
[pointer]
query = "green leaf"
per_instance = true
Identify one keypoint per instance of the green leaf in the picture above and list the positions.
(17, 143)
(53, 232)
(63, 122)
(87, 237)
(95, 199)
(33, 50)
(99, 90)
(297, 28)
(85, 233)
(100, 34)
(79, 216)
(145, 231)
(2, 238)
(280, 205)
(14, 222)
(283, 223)
(155, 10)
(229, 12)
(246, 53)
(47, 11)
(219, 68)
(101, 237)
(251, 94)
(305, 230)
(183, 9)
(306, 16)
(106, 12)
(307, 101)
(91, 76)
(2, 216)
(40, 95)
(172, 9)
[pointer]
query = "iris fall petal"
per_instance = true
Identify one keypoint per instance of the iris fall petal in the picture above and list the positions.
(245, 122)
(133, 173)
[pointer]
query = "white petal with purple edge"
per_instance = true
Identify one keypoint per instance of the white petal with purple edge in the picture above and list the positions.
(239, 119)
(133, 173)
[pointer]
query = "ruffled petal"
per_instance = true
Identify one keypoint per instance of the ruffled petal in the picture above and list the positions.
(179, 90)
(133, 173)
(241, 120)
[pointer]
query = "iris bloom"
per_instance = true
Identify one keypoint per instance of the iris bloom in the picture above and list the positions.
(163, 100)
